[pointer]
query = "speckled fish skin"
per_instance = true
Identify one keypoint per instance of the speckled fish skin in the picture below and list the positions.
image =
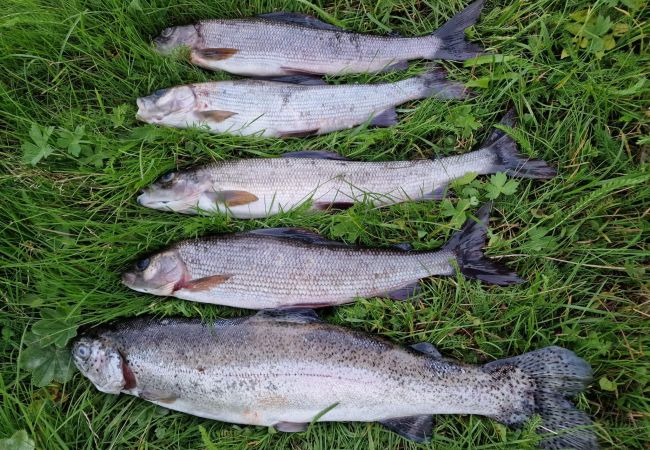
(288, 267)
(279, 109)
(255, 188)
(284, 368)
(287, 43)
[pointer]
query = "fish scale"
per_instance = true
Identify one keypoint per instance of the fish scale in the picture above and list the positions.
(288, 368)
(273, 108)
(320, 274)
(279, 44)
(261, 187)
(285, 267)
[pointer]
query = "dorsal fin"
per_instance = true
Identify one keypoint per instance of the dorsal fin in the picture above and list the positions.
(301, 79)
(299, 234)
(288, 315)
(300, 19)
(416, 428)
(509, 120)
(315, 154)
(427, 348)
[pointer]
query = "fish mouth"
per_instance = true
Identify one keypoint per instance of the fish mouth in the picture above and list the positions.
(141, 108)
(128, 279)
(164, 205)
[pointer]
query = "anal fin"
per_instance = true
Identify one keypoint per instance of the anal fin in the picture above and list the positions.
(415, 428)
(291, 427)
(299, 133)
(397, 66)
(386, 118)
(404, 292)
(327, 206)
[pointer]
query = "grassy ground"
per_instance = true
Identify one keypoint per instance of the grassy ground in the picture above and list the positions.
(70, 225)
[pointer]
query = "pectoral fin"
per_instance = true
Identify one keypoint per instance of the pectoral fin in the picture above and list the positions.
(215, 54)
(416, 428)
(205, 283)
(291, 427)
(158, 396)
(232, 198)
(214, 115)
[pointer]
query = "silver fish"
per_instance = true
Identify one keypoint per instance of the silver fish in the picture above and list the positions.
(286, 267)
(254, 188)
(283, 43)
(284, 368)
(288, 109)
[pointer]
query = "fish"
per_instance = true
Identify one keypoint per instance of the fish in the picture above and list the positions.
(285, 107)
(287, 368)
(285, 267)
(262, 187)
(285, 43)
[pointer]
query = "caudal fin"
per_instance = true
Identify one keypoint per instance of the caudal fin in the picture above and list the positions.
(549, 376)
(452, 34)
(468, 245)
(435, 83)
(508, 159)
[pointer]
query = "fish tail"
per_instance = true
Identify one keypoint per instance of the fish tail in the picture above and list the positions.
(548, 376)
(508, 159)
(452, 35)
(468, 245)
(435, 83)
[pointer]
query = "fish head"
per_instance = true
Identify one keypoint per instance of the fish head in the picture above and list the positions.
(159, 274)
(99, 360)
(171, 105)
(174, 37)
(176, 191)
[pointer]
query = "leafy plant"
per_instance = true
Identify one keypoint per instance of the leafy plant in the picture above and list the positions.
(539, 240)
(20, 440)
(500, 185)
(71, 140)
(457, 212)
(46, 355)
(462, 118)
(39, 148)
(594, 33)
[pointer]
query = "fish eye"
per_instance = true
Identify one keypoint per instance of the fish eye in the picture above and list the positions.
(142, 264)
(166, 178)
(159, 93)
(83, 351)
(167, 32)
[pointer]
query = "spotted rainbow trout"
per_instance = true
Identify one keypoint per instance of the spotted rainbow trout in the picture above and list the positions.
(290, 106)
(283, 43)
(262, 187)
(288, 368)
(293, 267)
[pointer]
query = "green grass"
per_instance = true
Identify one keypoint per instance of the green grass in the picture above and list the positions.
(69, 227)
